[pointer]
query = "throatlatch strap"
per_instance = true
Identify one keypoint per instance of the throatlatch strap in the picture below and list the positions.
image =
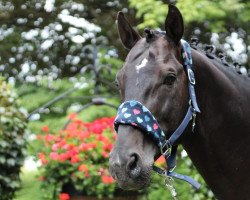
(178, 132)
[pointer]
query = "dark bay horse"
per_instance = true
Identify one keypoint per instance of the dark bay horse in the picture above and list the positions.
(153, 74)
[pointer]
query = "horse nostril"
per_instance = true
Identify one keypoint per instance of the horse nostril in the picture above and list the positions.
(133, 165)
(133, 162)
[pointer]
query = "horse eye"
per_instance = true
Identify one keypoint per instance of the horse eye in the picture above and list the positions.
(169, 79)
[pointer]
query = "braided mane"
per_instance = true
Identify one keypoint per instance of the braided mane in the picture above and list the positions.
(218, 57)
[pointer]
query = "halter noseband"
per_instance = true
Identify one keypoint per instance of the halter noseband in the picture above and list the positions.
(135, 114)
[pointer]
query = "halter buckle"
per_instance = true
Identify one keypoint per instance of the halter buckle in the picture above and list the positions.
(166, 149)
(191, 76)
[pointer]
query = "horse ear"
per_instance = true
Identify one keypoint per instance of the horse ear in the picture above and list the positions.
(127, 34)
(174, 25)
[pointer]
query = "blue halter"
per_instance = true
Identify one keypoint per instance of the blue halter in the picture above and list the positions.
(135, 114)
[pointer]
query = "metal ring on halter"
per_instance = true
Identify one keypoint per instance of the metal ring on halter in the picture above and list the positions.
(166, 149)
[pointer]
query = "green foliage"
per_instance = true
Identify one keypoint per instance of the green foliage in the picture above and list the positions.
(12, 141)
(146, 9)
(30, 186)
(215, 13)
(153, 12)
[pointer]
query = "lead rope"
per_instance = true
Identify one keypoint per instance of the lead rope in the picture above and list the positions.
(169, 183)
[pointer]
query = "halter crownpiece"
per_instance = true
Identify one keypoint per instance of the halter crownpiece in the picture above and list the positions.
(135, 114)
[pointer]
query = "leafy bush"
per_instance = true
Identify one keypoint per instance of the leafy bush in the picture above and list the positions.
(78, 156)
(12, 141)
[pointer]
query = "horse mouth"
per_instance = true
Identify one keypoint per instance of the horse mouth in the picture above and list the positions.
(134, 185)
(127, 182)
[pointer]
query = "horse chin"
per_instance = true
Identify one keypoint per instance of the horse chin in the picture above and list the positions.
(130, 183)
(134, 186)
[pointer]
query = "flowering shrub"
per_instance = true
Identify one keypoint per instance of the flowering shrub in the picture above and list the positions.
(78, 155)
(13, 140)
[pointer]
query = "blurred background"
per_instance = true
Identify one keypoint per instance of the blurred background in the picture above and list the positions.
(58, 60)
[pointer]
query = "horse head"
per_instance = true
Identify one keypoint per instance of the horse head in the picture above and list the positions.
(153, 75)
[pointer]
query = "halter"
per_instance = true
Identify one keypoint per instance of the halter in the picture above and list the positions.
(135, 114)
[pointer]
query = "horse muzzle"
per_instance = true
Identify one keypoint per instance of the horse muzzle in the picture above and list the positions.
(129, 170)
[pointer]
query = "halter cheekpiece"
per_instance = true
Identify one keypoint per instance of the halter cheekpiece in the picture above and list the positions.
(135, 114)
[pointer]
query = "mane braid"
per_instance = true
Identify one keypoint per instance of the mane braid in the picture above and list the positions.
(220, 58)
(208, 50)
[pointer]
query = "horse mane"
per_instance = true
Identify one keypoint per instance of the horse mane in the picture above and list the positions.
(218, 57)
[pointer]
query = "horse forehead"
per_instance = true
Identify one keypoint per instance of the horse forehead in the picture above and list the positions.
(160, 47)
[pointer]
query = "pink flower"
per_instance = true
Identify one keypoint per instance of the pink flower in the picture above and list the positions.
(54, 156)
(105, 154)
(49, 137)
(55, 147)
(63, 157)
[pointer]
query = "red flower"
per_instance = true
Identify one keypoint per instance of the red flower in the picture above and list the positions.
(45, 129)
(64, 196)
(97, 128)
(103, 139)
(107, 179)
(92, 145)
(42, 158)
(72, 116)
(63, 157)
(84, 168)
(75, 159)
(107, 147)
(83, 134)
(84, 147)
(81, 142)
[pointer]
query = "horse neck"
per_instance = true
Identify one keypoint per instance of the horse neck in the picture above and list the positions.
(219, 147)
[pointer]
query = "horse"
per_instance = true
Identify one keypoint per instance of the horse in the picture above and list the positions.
(153, 74)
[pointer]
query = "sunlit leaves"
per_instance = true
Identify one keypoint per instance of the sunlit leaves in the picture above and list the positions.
(12, 141)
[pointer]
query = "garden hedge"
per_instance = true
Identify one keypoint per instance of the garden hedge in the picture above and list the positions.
(12, 141)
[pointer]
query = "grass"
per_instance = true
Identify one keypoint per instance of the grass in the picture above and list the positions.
(30, 186)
